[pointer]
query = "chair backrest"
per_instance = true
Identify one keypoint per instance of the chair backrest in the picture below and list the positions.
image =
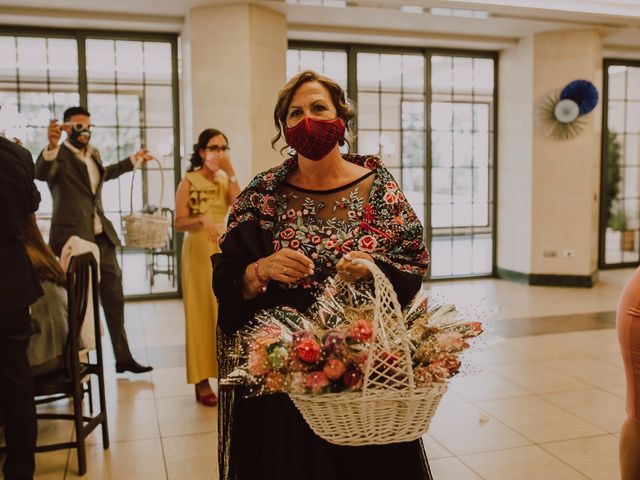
(82, 274)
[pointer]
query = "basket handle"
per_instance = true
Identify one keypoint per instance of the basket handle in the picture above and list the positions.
(161, 186)
(386, 305)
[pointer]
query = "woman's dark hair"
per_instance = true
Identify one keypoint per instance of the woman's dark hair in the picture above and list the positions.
(203, 139)
(44, 263)
(344, 110)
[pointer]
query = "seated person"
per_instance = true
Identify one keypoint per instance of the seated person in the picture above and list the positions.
(49, 323)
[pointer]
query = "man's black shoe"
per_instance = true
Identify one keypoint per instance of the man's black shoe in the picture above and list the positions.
(131, 366)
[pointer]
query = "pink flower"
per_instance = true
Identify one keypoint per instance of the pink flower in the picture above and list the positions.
(308, 350)
(449, 362)
(371, 163)
(268, 177)
(275, 382)
(367, 243)
(473, 329)
(361, 331)
(422, 376)
(391, 185)
(316, 239)
(291, 213)
(333, 368)
(450, 342)
(352, 377)
(288, 233)
(258, 364)
(316, 381)
(294, 244)
(333, 341)
(268, 205)
(390, 198)
(347, 246)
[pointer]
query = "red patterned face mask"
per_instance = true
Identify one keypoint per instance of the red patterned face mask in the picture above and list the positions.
(314, 139)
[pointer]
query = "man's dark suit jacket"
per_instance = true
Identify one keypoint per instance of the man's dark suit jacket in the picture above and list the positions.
(73, 200)
(19, 197)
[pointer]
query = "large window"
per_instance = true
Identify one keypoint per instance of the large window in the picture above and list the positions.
(128, 85)
(430, 117)
(620, 207)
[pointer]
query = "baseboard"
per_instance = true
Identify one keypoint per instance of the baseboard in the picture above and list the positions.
(549, 280)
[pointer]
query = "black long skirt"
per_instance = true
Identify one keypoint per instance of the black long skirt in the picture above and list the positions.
(266, 438)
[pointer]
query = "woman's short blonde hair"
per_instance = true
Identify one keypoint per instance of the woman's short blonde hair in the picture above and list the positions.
(343, 108)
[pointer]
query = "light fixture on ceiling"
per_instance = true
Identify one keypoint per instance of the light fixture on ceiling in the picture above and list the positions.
(459, 12)
(411, 9)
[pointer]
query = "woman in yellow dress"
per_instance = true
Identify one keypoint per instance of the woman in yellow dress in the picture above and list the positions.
(202, 203)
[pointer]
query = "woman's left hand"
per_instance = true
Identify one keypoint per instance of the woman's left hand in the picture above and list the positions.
(352, 272)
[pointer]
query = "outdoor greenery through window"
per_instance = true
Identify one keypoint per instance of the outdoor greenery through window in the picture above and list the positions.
(128, 86)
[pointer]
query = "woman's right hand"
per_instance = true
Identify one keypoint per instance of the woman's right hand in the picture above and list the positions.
(209, 226)
(286, 266)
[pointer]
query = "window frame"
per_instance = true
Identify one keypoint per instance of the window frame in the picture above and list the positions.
(81, 36)
(352, 50)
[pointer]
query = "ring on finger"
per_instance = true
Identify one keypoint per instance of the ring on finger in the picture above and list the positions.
(285, 270)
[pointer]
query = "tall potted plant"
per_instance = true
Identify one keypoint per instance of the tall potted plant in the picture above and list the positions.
(616, 217)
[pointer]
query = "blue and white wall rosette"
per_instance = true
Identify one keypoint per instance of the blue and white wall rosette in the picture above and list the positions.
(562, 112)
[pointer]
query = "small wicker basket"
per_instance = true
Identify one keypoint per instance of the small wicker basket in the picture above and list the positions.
(146, 230)
(389, 409)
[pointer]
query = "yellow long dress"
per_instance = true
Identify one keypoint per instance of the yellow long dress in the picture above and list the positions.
(200, 304)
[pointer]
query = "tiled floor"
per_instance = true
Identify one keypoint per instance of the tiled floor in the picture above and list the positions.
(548, 402)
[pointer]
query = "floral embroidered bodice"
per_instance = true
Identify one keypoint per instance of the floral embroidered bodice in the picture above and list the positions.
(321, 223)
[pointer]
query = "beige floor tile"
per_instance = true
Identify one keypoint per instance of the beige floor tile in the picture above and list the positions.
(135, 460)
(191, 457)
(450, 398)
(465, 429)
(595, 457)
(539, 378)
(51, 465)
(589, 370)
(592, 341)
(183, 416)
(596, 406)
(171, 382)
(434, 448)
(496, 355)
(451, 469)
(485, 386)
(125, 388)
(618, 389)
(164, 324)
(541, 347)
(129, 421)
(526, 463)
(613, 358)
(539, 420)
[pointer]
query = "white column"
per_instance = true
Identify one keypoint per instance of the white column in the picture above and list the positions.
(236, 57)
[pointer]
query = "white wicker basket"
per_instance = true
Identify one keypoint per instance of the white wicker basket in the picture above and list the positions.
(146, 230)
(389, 409)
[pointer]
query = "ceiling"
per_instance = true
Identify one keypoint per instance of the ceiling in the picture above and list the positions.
(367, 21)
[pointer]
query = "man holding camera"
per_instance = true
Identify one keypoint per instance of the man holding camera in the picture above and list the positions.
(75, 175)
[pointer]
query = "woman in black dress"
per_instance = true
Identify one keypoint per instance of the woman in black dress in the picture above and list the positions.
(291, 228)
